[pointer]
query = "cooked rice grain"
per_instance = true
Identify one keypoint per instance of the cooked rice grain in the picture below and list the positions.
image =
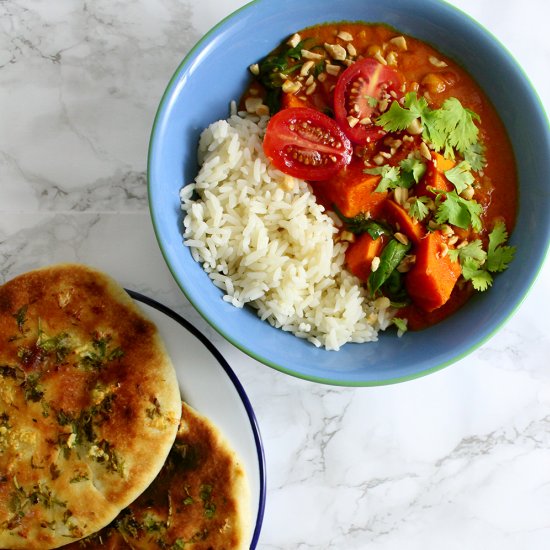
(271, 247)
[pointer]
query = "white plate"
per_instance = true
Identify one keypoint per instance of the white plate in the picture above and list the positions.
(209, 385)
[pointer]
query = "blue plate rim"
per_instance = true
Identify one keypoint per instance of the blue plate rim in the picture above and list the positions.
(240, 390)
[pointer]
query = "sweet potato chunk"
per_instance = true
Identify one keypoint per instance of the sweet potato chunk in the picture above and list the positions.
(434, 275)
(290, 100)
(352, 191)
(398, 217)
(435, 175)
(359, 255)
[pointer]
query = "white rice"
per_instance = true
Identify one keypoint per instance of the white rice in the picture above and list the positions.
(263, 239)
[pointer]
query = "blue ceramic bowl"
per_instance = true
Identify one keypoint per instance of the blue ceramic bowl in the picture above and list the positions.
(215, 72)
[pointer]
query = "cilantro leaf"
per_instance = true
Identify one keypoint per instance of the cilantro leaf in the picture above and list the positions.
(417, 105)
(457, 123)
(433, 133)
(418, 209)
(499, 255)
(390, 177)
(498, 235)
(481, 278)
(473, 250)
(475, 156)
(409, 172)
(452, 211)
(454, 254)
(460, 176)
(396, 118)
(401, 324)
(458, 211)
(477, 264)
(412, 170)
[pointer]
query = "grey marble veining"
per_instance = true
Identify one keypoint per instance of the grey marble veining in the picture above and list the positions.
(80, 86)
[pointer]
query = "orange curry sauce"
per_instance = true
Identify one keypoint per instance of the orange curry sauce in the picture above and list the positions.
(436, 77)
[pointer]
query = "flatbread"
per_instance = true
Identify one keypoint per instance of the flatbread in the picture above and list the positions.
(89, 405)
(199, 501)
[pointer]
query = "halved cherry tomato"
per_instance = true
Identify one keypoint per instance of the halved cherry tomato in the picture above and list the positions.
(306, 144)
(358, 92)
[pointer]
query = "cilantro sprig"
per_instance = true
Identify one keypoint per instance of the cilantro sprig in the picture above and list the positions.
(398, 118)
(406, 174)
(473, 250)
(412, 170)
(455, 124)
(460, 176)
(390, 179)
(475, 156)
(418, 208)
(479, 265)
(450, 129)
(452, 208)
(499, 255)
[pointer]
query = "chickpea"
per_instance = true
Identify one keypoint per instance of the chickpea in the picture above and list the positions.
(434, 83)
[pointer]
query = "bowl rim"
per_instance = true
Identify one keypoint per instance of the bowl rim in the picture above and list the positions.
(197, 47)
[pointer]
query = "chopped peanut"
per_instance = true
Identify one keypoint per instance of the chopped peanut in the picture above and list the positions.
(399, 42)
(391, 59)
(336, 51)
(437, 62)
(306, 67)
(379, 58)
(332, 69)
(291, 87)
(306, 54)
(294, 40)
(353, 121)
(345, 36)
(252, 103)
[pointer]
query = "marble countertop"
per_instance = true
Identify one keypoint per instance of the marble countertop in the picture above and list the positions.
(457, 460)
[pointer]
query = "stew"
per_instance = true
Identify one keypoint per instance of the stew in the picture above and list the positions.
(403, 146)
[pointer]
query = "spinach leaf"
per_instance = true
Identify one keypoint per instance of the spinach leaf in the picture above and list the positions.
(275, 67)
(282, 62)
(390, 258)
(362, 224)
(394, 289)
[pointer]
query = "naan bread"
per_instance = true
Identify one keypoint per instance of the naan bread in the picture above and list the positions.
(199, 501)
(89, 405)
